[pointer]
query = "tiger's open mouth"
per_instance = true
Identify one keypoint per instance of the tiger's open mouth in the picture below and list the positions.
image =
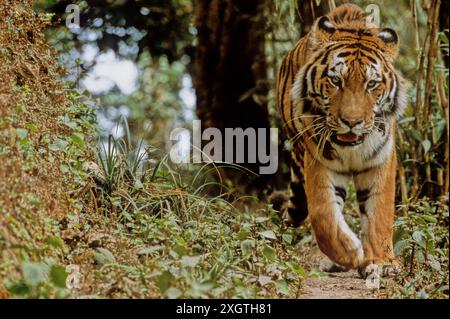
(347, 139)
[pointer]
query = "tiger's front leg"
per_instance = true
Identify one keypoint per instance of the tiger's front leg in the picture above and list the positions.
(325, 192)
(376, 197)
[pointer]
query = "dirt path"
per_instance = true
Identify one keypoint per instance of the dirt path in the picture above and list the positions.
(344, 285)
(336, 285)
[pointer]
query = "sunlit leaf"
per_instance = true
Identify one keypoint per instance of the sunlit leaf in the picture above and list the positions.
(426, 144)
(268, 234)
(104, 256)
(269, 252)
(34, 273)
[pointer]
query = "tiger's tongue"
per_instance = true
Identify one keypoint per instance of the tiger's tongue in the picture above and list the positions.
(348, 137)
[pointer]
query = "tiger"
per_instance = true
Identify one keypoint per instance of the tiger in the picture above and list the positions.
(339, 97)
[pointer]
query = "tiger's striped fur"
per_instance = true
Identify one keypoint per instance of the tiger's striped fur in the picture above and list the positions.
(339, 97)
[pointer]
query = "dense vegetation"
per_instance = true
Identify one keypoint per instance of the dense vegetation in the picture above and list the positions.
(88, 213)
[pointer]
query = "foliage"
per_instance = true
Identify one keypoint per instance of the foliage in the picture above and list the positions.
(39, 280)
(45, 130)
(421, 243)
(42, 272)
(128, 27)
(172, 241)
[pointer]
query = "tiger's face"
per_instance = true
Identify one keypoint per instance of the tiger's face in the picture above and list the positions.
(349, 86)
(355, 86)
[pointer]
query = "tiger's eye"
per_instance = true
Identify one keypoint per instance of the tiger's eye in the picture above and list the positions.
(336, 80)
(371, 84)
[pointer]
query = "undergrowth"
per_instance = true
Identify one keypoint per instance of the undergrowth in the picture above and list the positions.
(154, 233)
(421, 244)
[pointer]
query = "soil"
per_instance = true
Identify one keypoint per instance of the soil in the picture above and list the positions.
(344, 285)
(335, 285)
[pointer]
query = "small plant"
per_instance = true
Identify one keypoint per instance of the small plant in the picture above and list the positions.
(421, 241)
(39, 280)
(189, 244)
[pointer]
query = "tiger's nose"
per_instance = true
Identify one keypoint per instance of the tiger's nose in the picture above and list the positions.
(351, 123)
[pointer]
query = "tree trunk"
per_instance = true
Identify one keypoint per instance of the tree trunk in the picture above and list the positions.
(230, 75)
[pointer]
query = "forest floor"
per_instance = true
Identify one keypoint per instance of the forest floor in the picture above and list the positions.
(335, 285)
(347, 285)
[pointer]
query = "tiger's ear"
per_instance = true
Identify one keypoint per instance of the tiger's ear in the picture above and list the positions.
(324, 24)
(389, 40)
(322, 30)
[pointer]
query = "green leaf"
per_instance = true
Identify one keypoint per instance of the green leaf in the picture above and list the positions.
(426, 144)
(269, 252)
(438, 130)
(416, 134)
(261, 219)
(180, 250)
(443, 37)
(71, 124)
(164, 281)
(77, 139)
(399, 233)
(59, 145)
(104, 256)
(247, 246)
(298, 269)
(198, 289)
(58, 275)
(317, 273)
(400, 246)
(152, 250)
(282, 287)
(21, 133)
(17, 288)
(242, 234)
(287, 238)
(31, 127)
(21, 108)
(430, 218)
(435, 265)
(419, 238)
(406, 120)
(264, 280)
(268, 234)
(34, 273)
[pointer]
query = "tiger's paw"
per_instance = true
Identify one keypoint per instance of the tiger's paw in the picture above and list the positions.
(380, 270)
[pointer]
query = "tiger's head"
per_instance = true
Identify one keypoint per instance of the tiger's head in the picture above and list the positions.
(349, 87)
